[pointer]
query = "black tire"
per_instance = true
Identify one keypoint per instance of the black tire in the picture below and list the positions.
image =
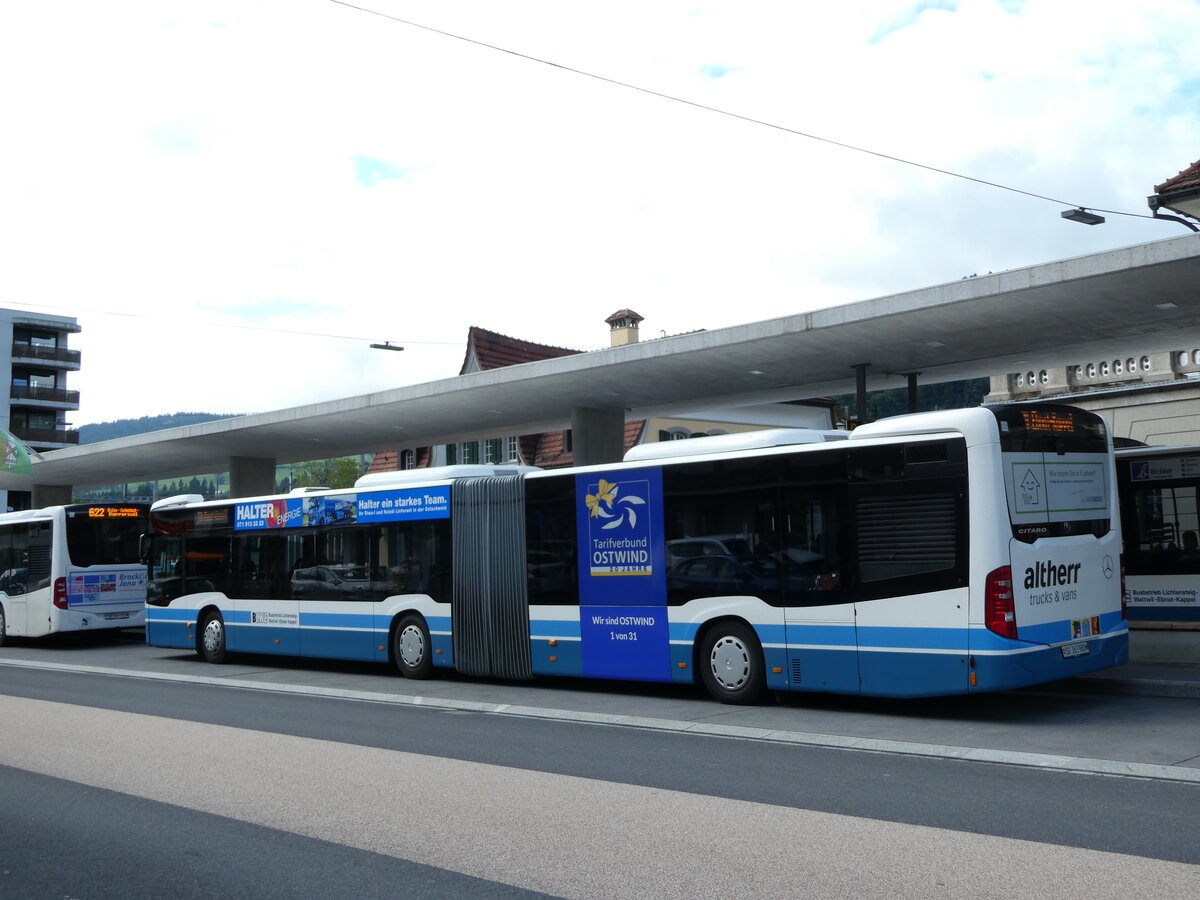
(3, 626)
(210, 639)
(412, 650)
(731, 664)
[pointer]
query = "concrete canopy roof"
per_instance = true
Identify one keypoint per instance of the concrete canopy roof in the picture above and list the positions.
(1139, 299)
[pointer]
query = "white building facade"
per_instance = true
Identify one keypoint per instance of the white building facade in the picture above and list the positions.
(1153, 398)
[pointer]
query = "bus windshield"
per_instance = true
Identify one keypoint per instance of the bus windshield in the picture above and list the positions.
(104, 534)
(1056, 471)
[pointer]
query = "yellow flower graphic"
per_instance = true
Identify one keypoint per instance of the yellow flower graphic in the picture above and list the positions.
(604, 494)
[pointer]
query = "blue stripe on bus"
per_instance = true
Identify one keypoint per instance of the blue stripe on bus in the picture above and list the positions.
(923, 638)
(445, 644)
(564, 658)
(337, 620)
(1045, 664)
(885, 673)
(352, 645)
(892, 661)
(832, 636)
(170, 632)
(241, 637)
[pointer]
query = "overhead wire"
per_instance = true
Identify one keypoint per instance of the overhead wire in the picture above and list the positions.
(75, 311)
(725, 112)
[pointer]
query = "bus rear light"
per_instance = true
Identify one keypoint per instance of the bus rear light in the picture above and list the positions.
(999, 611)
(60, 593)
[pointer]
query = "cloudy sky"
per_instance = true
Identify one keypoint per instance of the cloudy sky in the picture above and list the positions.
(236, 197)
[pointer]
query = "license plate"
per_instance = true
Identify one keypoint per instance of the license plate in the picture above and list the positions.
(1070, 651)
(125, 615)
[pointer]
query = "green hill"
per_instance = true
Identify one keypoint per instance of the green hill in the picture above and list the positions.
(107, 431)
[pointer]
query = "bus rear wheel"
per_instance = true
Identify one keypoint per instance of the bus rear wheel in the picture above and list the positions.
(3, 626)
(212, 638)
(731, 664)
(411, 648)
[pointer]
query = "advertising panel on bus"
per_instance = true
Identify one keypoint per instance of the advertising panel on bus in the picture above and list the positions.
(622, 581)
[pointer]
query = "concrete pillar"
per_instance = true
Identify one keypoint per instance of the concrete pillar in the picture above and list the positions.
(860, 392)
(250, 476)
(597, 435)
(51, 495)
(912, 391)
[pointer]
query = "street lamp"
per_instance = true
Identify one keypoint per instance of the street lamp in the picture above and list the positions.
(1083, 216)
(386, 345)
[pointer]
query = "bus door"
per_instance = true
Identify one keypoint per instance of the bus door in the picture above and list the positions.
(265, 617)
(16, 602)
(333, 586)
(821, 635)
(16, 579)
(909, 545)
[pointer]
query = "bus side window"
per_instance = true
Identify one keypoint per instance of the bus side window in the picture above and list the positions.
(15, 574)
(38, 557)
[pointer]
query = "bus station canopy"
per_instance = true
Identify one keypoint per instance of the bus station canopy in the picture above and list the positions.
(1144, 298)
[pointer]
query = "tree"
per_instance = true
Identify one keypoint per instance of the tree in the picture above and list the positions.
(330, 473)
(894, 401)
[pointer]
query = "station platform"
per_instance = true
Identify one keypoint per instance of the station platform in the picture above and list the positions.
(1164, 661)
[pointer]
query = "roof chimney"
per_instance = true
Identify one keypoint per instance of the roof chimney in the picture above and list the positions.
(624, 325)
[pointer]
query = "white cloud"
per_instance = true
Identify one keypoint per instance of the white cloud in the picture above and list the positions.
(182, 167)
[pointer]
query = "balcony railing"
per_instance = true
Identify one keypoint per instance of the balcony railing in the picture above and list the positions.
(45, 354)
(45, 395)
(41, 436)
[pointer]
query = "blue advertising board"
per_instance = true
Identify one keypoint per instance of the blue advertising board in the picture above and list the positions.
(344, 509)
(622, 575)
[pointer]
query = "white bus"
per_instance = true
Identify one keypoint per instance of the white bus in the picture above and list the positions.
(938, 553)
(72, 568)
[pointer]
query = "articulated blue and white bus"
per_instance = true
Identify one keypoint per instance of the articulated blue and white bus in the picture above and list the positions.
(930, 554)
(72, 568)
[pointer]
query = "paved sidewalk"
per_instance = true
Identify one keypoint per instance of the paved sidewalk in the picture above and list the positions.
(1145, 679)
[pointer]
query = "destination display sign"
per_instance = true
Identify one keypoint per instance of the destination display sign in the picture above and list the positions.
(1048, 421)
(114, 512)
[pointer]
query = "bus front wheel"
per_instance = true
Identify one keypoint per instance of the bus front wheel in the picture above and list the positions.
(3, 626)
(411, 648)
(212, 638)
(731, 663)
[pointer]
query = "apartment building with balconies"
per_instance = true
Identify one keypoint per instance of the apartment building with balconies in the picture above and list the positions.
(36, 359)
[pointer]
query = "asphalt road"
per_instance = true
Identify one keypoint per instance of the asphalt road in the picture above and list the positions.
(177, 779)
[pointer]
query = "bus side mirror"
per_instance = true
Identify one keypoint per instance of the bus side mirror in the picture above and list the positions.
(144, 544)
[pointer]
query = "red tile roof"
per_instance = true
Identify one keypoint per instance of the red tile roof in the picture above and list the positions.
(1188, 178)
(384, 461)
(547, 451)
(489, 350)
(389, 460)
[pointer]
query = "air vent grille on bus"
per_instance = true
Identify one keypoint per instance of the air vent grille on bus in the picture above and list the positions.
(917, 454)
(797, 675)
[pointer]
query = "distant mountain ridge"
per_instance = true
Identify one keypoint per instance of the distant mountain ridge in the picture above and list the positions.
(107, 431)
